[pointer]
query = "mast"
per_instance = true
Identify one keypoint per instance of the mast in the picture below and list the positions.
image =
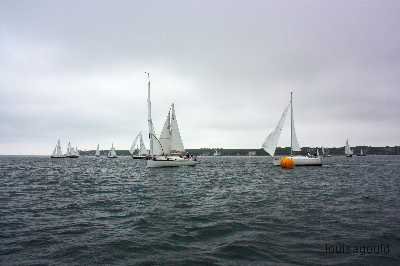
(291, 123)
(149, 121)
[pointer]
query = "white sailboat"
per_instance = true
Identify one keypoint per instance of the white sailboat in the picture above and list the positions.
(216, 153)
(57, 152)
(347, 150)
(361, 153)
(272, 139)
(71, 152)
(167, 151)
(138, 150)
(97, 154)
(112, 153)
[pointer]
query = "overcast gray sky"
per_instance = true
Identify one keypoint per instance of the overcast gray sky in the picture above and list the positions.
(75, 70)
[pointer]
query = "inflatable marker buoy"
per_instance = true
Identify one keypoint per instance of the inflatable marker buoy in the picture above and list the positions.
(287, 163)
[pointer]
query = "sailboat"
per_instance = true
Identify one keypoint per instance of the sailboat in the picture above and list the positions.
(272, 139)
(347, 150)
(71, 153)
(325, 153)
(361, 153)
(112, 153)
(138, 151)
(57, 152)
(97, 154)
(216, 153)
(168, 150)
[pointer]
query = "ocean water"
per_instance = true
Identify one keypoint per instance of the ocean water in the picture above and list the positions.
(224, 211)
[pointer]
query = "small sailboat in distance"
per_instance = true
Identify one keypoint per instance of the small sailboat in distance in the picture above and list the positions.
(97, 154)
(57, 152)
(347, 150)
(168, 150)
(272, 139)
(112, 153)
(361, 153)
(71, 152)
(138, 151)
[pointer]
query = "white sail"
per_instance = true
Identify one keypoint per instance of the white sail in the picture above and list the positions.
(295, 146)
(54, 151)
(76, 151)
(317, 152)
(112, 152)
(142, 148)
(323, 151)
(347, 149)
(361, 152)
(165, 136)
(176, 140)
(155, 145)
(97, 150)
(272, 139)
(69, 149)
(133, 146)
(58, 148)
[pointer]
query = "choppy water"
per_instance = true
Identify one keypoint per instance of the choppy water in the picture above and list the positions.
(225, 211)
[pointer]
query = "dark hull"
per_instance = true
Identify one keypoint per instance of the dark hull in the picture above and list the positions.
(73, 156)
(137, 157)
(349, 155)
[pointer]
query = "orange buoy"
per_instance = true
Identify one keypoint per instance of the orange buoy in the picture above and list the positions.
(287, 163)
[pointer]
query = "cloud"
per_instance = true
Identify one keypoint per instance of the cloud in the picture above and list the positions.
(74, 70)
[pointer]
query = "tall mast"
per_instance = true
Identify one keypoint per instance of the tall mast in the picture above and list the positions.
(149, 121)
(291, 123)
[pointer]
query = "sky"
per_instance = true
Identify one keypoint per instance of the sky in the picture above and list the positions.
(74, 70)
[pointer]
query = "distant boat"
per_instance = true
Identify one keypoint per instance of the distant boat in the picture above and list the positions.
(347, 150)
(217, 153)
(112, 153)
(168, 150)
(272, 139)
(325, 153)
(57, 152)
(361, 153)
(71, 152)
(138, 150)
(97, 154)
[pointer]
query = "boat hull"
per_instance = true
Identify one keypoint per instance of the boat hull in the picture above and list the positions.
(138, 157)
(73, 156)
(58, 157)
(300, 161)
(170, 162)
(112, 157)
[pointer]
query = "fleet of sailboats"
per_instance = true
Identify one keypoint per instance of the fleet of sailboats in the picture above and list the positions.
(272, 139)
(167, 150)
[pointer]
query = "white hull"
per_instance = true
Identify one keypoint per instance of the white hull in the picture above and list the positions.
(300, 161)
(172, 161)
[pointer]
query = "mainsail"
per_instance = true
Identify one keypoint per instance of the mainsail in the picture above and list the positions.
(271, 141)
(133, 146)
(295, 142)
(176, 144)
(98, 150)
(142, 149)
(347, 149)
(165, 136)
(155, 145)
